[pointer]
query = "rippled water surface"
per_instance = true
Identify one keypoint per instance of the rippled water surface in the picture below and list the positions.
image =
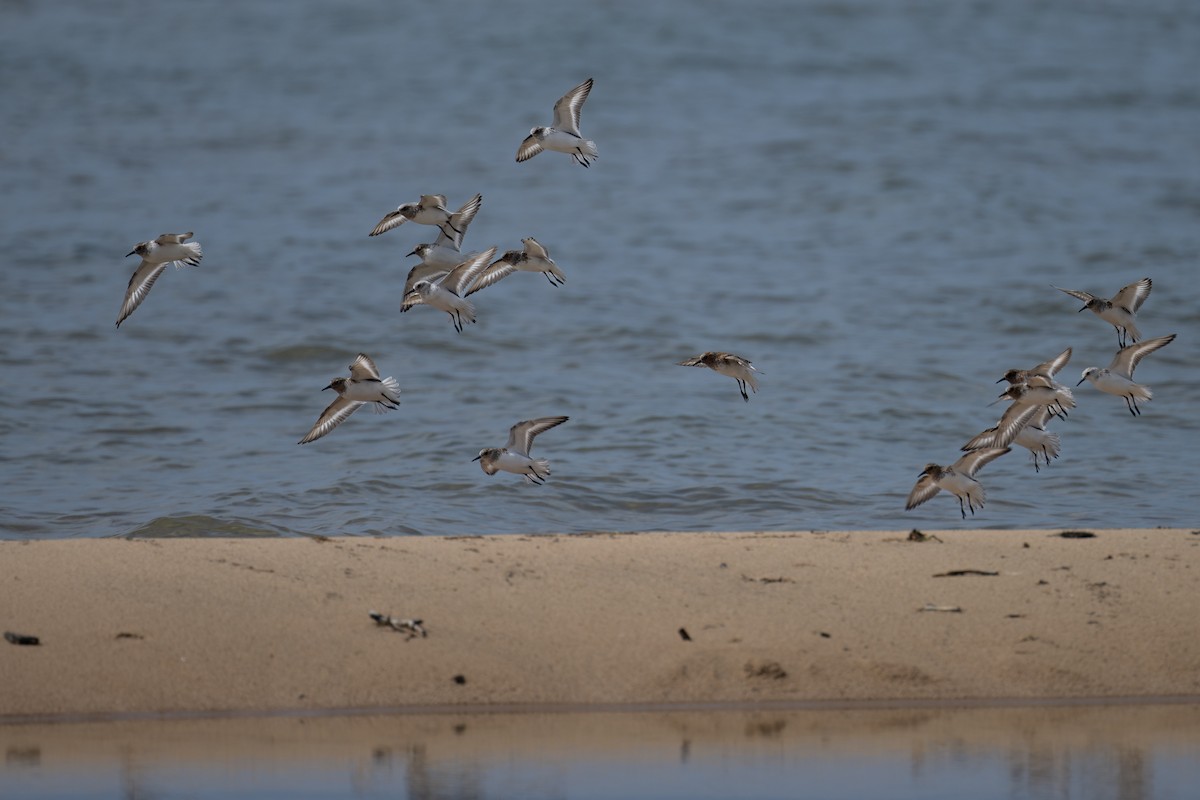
(871, 200)
(1098, 753)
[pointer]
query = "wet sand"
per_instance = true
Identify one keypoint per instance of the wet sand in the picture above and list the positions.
(181, 626)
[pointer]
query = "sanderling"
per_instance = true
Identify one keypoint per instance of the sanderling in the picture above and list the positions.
(728, 364)
(363, 386)
(564, 136)
(429, 210)
(1033, 435)
(1047, 369)
(1014, 420)
(449, 293)
(1121, 311)
(446, 251)
(958, 479)
(533, 258)
(514, 456)
(1117, 378)
(170, 248)
(1040, 391)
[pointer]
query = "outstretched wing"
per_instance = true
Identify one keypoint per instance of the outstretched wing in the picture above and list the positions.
(461, 277)
(364, 369)
(330, 418)
(1133, 295)
(1011, 423)
(520, 436)
(459, 221)
(1086, 297)
(140, 282)
(1127, 358)
(1054, 365)
(534, 249)
(972, 462)
(926, 488)
(566, 110)
(529, 148)
(495, 271)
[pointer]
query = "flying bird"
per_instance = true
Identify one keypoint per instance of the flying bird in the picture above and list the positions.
(1120, 311)
(514, 456)
(958, 479)
(730, 365)
(1117, 377)
(363, 386)
(170, 248)
(563, 136)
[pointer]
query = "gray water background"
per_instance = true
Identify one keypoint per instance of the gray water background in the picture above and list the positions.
(869, 199)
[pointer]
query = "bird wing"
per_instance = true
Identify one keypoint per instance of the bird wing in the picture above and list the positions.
(173, 238)
(1132, 296)
(1086, 297)
(459, 221)
(520, 436)
(534, 249)
(926, 488)
(566, 110)
(972, 462)
(529, 148)
(330, 418)
(432, 201)
(1127, 358)
(392, 220)
(1054, 365)
(461, 276)
(364, 369)
(140, 282)
(495, 271)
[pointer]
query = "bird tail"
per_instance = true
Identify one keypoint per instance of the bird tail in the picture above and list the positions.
(541, 468)
(193, 259)
(390, 389)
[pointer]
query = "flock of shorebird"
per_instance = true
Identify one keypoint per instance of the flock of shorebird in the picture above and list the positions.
(1036, 397)
(446, 277)
(443, 280)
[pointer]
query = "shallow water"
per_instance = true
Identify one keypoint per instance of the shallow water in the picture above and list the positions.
(1144, 752)
(871, 200)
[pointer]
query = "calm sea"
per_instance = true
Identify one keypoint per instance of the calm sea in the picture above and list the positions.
(870, 199)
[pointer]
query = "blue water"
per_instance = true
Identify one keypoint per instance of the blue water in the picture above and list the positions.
(1096, 753)
(869, 199)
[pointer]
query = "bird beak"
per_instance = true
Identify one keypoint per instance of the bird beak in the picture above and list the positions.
(1082, 309)
(413, 253)
(997, 400)
(330, 386)
(1000, 381)
(1081, 380)
(476, 458)
(131, 252)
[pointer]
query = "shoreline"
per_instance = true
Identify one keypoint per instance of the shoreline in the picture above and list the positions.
(199, 628)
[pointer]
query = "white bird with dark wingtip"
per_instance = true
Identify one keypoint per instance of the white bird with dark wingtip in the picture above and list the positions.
(1121, 311)
(563, 136)
(449, 293)
(157, 254)
(958, 479)
(736, 367)
(533, 258)
(1117, 378)
(363, 386)
(429, 210)
(446, 251)
(514, 456)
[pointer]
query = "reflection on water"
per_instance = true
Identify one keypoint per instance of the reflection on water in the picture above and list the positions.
(1121, 752)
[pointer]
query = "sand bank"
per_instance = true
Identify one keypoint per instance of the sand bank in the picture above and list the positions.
(201, 625)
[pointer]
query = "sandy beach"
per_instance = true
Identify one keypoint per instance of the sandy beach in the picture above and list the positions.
(181, 626)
